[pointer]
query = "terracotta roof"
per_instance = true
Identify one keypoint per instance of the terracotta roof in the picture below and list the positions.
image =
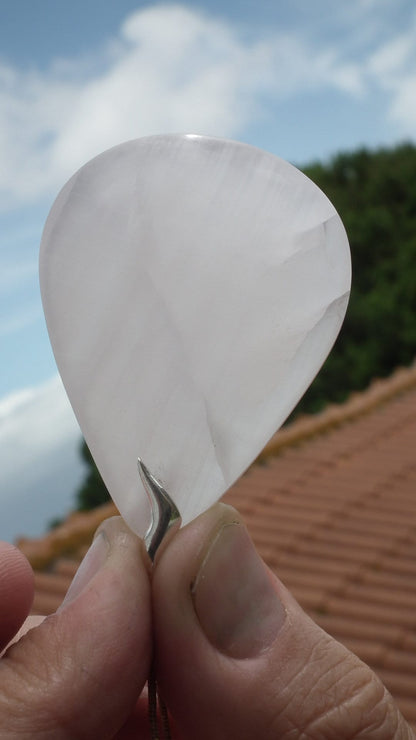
(331, 505)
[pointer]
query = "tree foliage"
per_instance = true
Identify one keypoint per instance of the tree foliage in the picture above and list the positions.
(375, 195)
(93, 492)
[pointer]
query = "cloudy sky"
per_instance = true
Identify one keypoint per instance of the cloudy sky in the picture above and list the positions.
(303, 79)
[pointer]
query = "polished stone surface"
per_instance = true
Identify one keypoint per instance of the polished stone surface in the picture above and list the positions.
(192, 289)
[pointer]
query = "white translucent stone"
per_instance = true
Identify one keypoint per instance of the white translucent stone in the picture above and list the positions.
(192, 289)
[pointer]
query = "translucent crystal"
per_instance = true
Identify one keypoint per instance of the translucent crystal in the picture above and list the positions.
(192, 289)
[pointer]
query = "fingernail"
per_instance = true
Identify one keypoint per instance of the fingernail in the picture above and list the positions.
(234, 596)
(91, 564)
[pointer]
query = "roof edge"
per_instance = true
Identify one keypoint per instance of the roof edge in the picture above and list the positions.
(358, 404)
(77, 530)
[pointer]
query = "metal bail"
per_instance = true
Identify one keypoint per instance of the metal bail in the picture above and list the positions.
(165, 520)
(164, 512)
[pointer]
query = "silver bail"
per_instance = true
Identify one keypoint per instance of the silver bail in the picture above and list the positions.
(164, 512)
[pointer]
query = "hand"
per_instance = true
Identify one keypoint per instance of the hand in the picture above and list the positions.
(236, 656)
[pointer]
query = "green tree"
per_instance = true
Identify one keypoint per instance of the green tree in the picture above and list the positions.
(375, 195)
(93, 491)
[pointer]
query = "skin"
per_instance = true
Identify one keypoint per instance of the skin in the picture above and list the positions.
(236, 656)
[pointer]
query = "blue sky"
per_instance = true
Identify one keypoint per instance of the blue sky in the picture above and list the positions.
(303, 79)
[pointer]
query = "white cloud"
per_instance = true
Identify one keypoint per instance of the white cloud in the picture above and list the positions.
(392, 67)
(34, 420)
(14, 274)
(403, 109)
(171, 68)
(391, 57)
(40, 467)
(19, 301)
(21, 319)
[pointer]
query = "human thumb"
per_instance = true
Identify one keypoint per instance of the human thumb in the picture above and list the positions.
(80, 672)
(238, 658)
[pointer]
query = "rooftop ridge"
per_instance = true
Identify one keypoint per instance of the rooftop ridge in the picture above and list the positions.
(66, 538)
(358, 404)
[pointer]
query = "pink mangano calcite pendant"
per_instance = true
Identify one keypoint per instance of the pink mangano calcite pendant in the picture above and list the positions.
(192, 289)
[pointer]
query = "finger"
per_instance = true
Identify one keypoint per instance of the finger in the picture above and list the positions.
(80, 672)
(238, 658)
(16, 591)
